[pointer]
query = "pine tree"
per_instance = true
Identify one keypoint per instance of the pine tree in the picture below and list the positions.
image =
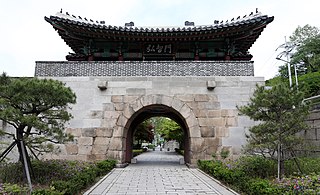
(281, 114)
(37, 109)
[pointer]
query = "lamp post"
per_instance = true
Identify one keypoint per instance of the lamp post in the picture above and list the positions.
(288, 49)
(289, 70)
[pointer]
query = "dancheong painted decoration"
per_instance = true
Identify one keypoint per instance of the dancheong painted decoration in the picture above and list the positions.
(96, 41)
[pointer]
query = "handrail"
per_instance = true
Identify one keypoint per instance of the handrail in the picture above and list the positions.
(314, 105)
(311, 98)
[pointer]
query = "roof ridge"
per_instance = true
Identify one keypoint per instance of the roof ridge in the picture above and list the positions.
(92, 22)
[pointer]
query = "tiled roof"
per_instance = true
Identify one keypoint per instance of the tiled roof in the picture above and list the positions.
(78, 32)
(73, 20)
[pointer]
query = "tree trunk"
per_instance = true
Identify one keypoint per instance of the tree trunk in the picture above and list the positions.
(22, 149)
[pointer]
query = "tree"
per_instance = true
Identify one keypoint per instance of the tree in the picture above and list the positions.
(37, 109)
(307, 54)
(310, 84)
(301, 34)
(143, 132)
(281, 114)
(170, 130)
(306, 58)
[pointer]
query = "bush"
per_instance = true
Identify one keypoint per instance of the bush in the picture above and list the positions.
(238, 175)
(222, 172)
(46, 192)
(251, 175)
(179, 151)
(66, 177)
(307, 165)
(105, 166)
(138, 152)
(309, 184)
(11, 173)
(257, 166)
(84, 178)
(13, 189)
(261, 186)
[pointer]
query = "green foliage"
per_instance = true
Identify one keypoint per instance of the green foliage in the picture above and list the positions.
(302, 34)
(179, 151)
(252, 175)
(241, 175)
(50, 191)
(257, 166)
(277, 79)
(78, 182)
(143, 132)
(307, 53)
(281, 114)
(308, 166)
(37, 109)
(222, 172)
(307, 184)
(261, 186)
(170, 130)
(306, 58)
(137, 152)
(11, 172)
(105, 166)
(310, 84)
(13, 189)
(66, 177)
(224, 153)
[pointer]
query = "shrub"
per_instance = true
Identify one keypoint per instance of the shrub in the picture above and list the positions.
(257, 166)
(105, 166)
(138, 152)
(66, 177)
(251, 175)
(11, 173)
(224, 153)
(13, 189)
(307, 165)
(222, 172)
(179, 151)
(236, 175)
(46, 192)
(309, 184)
(261, 186)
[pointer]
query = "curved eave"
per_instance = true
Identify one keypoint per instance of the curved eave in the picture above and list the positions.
(76, 33)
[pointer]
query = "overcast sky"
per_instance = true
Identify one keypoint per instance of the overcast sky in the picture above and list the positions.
(25, 37)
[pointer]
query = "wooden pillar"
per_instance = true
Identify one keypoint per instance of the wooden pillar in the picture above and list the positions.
(90, 57)
(120, 57)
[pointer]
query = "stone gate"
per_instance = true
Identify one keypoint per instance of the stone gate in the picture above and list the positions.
(122, 75)
(110, 106)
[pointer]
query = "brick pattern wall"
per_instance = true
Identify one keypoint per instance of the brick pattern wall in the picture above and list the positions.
(312, 135)
(150, 68)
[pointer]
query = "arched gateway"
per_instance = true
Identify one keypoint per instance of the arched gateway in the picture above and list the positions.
(160, 105)
(122, 75)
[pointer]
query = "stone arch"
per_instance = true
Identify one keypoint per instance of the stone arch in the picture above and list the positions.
(177, 107)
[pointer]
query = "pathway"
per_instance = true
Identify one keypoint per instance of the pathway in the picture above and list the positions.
(157, 173)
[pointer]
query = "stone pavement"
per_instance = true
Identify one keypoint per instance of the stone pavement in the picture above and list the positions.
(157, 173)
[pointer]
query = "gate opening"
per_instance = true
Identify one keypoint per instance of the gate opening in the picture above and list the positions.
(147, 117)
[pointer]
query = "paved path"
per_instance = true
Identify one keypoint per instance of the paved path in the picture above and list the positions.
(157, 173)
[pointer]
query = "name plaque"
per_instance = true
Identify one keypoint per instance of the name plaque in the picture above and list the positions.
(158, 48)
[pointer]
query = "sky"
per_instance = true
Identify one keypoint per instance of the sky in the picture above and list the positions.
(25, 37)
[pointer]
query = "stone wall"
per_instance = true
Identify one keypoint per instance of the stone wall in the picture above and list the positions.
(152, 68)
(101, 116)
(312, 135)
